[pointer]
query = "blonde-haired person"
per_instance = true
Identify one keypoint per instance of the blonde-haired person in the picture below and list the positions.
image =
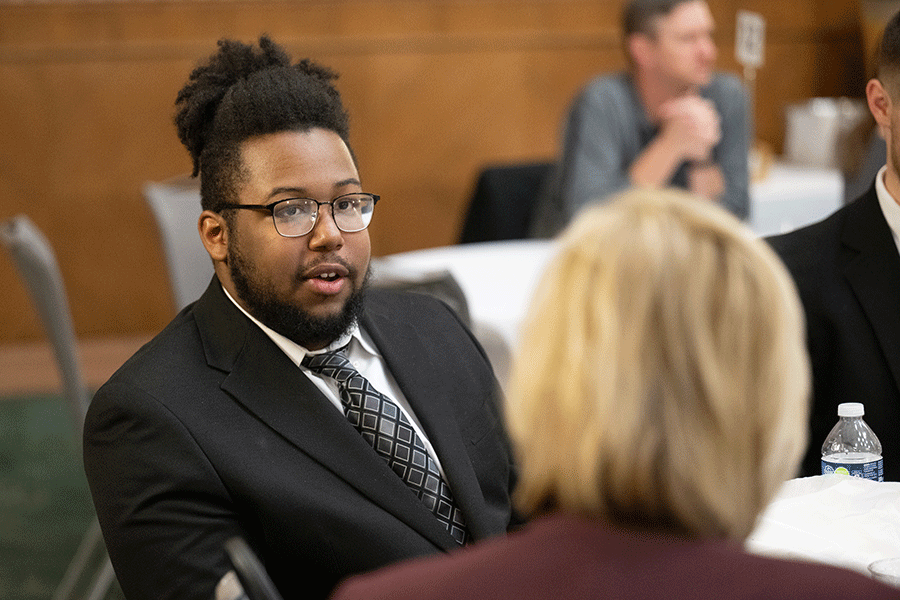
(658, 400)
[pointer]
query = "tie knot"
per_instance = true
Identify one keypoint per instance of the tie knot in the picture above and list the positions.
(334, 364)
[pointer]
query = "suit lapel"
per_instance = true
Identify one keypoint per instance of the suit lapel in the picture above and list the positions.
(873, 272)
(414, 361)
(264, 380)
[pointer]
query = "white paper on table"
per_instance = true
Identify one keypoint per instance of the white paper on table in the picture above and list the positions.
(834, 519)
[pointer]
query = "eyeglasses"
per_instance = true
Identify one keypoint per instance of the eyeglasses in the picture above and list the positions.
(294, 217)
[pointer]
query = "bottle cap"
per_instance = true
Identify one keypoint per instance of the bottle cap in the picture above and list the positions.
(851, 409)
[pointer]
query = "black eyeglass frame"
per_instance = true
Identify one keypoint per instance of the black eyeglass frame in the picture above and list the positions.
(271, 208)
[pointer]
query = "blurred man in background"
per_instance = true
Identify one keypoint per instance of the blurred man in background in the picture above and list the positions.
(670, 120)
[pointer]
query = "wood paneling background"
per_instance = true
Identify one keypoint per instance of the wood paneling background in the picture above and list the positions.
(436, 89)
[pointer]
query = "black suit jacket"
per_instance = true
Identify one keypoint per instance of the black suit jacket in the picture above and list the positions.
(847, 272)
(210, 431)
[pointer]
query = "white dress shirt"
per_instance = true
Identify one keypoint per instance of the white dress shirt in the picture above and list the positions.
(889, 207)
(364, 356)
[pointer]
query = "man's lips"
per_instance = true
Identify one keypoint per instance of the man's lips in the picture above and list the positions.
(327, 278)
(327, 272)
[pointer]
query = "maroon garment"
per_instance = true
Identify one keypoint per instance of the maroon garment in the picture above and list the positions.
(573, 558)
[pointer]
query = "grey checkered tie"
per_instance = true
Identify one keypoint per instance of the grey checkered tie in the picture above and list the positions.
(389, 432)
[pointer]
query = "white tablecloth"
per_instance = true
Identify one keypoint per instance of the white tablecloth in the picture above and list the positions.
(792, 196)
(834, 519)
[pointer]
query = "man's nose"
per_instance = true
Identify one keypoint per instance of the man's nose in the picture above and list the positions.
(325, 233)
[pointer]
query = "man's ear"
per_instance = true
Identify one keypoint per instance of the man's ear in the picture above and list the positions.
(214, 234)
(880, 104)
(640, 47)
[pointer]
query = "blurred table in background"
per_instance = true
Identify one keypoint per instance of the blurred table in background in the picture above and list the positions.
(791, 196)
(499, 278)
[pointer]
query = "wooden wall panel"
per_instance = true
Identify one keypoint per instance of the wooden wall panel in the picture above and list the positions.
(436, 89)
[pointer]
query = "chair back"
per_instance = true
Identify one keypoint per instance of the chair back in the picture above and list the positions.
(34, 259)
(503, 202)
(90, 570)
(175, 204)
(440, 284)
(250, 572)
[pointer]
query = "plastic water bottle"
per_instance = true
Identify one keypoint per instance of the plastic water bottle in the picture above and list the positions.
(852, 447)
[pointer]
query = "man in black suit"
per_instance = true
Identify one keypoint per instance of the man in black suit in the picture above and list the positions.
(847, 270)
(232, 420)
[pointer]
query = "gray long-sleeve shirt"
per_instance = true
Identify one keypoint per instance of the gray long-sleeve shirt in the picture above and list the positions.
(608, 127)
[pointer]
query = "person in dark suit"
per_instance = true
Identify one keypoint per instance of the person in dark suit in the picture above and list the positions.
(847, 270)
(658, 401)
(335, 428)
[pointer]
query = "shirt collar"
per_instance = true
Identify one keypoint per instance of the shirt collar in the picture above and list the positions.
(889, 207)
(295, 351)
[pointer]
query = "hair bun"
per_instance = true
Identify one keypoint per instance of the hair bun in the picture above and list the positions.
(199, 99)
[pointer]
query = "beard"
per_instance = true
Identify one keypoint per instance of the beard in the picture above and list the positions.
(291, 321)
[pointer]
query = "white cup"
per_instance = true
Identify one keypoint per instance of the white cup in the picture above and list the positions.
(886, 570)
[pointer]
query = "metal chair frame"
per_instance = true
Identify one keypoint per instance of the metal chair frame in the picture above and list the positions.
(36, 262)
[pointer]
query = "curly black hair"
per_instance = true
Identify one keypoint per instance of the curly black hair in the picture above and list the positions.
(243, 91)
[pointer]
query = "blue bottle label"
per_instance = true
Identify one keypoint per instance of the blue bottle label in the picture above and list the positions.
(873, 470)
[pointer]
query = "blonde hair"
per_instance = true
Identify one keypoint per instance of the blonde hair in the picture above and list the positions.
(662, 377)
